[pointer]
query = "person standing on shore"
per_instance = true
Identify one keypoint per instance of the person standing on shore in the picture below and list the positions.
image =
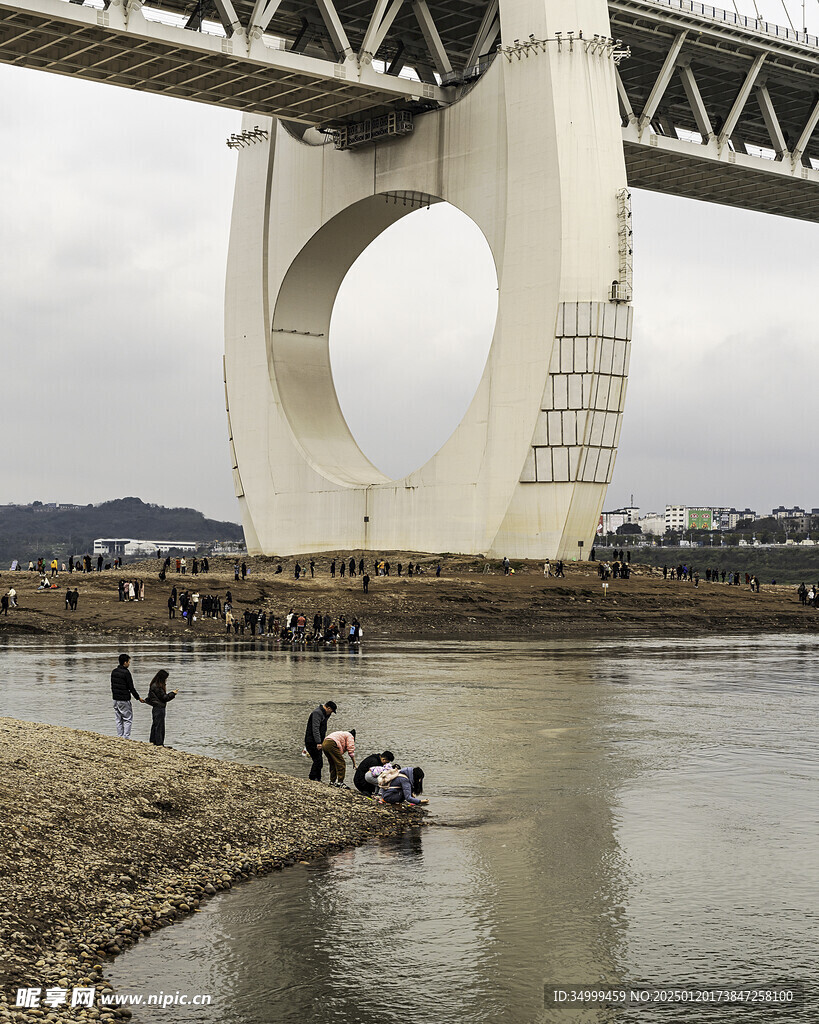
(122, 688)
(314, 736)
(158, 697)
(366, 582)
(335, 746)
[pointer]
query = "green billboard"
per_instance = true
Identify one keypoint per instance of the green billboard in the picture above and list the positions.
(700, 519)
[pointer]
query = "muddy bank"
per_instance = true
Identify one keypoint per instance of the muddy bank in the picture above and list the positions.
(105, 840)
(472, 599)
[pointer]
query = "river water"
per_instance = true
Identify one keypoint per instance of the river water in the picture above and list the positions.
(603, 813)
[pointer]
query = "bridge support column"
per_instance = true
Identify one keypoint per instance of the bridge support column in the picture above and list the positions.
(534, 155)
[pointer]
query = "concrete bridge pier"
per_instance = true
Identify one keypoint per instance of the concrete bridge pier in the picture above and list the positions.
(533, 153)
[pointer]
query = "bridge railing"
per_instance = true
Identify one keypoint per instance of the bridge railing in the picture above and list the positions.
(768, 28)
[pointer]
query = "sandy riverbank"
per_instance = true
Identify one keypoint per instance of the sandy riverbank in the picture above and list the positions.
(105, 840)
(464, 603)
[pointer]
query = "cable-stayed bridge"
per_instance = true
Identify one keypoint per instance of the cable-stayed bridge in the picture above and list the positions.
(715, 105)
(531, 116)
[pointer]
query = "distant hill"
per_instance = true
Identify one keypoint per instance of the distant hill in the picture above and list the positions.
(34, 531)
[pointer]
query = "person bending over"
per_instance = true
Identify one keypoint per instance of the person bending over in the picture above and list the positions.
(365, 785)
(335, 746)
(407, 785)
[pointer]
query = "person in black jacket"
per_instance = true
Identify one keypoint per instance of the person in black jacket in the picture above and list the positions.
(158, 697)
(122, 687)
(373, 761)
(314, 737)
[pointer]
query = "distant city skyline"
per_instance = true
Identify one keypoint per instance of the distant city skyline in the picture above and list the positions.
(710, 505)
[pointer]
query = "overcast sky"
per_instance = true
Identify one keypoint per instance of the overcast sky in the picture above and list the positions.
(115, 219)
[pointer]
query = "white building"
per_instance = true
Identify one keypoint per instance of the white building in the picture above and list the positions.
(125, 548)
(732, 517)
(610, 521)
(787, 513)
(676, 518)
(653, 524)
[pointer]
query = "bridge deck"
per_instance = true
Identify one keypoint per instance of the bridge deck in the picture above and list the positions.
(685, 130)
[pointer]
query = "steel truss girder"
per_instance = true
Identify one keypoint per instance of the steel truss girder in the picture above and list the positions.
(694, 95)
(72, 39)
(338, 37)
(766, 107)
(735, 113)
(675, 166)
(433, 40)
(487, 33)
(263, 11)
(698, 76)
(663, 80)
(716, 78)
(371, 41)
(807, 132)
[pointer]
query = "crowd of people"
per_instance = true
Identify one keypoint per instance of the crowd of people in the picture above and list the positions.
(808, 596)
(377, 776)
(293, 628)
(131, 590)
(197, 565)
(691, 575)
(82, 564)
(616, 570)
(297, 627)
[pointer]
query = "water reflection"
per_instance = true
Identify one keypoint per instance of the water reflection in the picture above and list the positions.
(606, 812)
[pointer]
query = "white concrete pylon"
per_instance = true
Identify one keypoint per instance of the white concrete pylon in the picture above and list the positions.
(533, 154)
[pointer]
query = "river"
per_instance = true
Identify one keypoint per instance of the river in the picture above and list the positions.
(603, 813)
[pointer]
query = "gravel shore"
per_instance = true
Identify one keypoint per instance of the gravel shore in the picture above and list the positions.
(104, 840)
